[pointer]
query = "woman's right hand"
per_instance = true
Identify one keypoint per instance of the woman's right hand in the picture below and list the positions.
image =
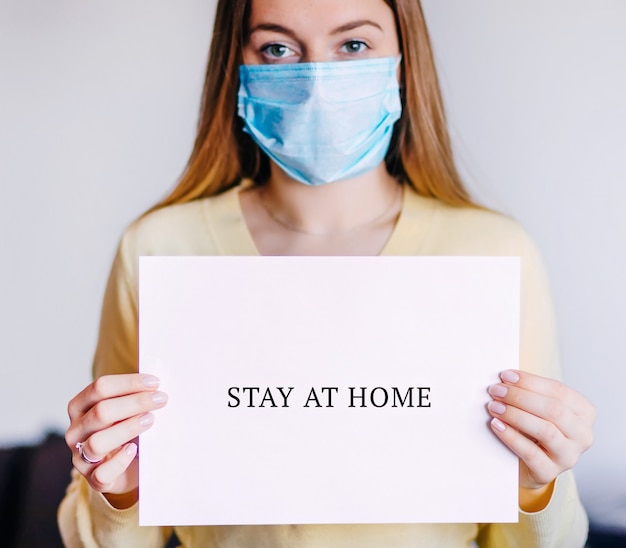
(105, 419)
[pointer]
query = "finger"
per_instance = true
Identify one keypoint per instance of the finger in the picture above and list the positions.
(541, 467)
(110, 386)
(105, 476)
(104, 442)
(559, 448)
(109, 412)
(550, 388)
(106, 413)
(544, 407)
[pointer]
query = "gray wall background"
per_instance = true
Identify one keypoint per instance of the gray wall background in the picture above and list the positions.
(98, 105)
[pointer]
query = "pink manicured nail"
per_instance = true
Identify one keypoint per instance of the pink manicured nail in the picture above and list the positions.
(159, 398)
(498, 425)
(150, 381)
(497, 407)
(509, 376)
(146, 420)
(498, 390)
(131, 449)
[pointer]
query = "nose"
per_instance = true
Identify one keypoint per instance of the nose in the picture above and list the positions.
(316, 54)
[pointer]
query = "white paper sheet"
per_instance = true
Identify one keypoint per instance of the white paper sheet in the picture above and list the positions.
(435, 329)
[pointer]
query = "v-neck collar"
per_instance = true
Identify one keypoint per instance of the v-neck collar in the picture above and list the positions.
(229, 231)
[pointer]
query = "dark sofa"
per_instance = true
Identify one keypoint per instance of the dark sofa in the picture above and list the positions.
(32, 483)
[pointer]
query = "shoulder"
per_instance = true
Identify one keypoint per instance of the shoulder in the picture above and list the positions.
(181, 229)
(479, 231)
(167, 230)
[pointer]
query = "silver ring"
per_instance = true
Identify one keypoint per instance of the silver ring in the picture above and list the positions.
(81, 452)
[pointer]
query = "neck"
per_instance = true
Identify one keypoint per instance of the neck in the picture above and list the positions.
(330, 209)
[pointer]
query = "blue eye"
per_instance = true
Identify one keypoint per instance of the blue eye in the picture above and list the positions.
(354, 46)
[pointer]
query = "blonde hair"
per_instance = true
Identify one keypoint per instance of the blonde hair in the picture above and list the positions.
(420, 153)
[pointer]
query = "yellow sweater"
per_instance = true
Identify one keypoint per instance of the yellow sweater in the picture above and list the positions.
(216, 226)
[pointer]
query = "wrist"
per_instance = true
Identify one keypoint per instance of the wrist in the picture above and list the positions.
(122, 501)
(535, 500)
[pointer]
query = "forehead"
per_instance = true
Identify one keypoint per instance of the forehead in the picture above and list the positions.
(315, 17)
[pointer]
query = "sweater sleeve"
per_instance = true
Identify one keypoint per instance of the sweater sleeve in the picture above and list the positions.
(85, 517)
(87, 520)
(563, 522)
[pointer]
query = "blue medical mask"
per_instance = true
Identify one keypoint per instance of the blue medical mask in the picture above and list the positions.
(322, 122)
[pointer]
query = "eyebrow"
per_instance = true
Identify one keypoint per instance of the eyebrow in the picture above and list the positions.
(343, 28)
(356, 24)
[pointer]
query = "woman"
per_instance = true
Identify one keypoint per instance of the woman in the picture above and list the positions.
(330, 139)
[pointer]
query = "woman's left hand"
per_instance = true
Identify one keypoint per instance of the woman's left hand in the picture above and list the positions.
(545, 423)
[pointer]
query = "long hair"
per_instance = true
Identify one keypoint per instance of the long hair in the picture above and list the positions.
(420, 153)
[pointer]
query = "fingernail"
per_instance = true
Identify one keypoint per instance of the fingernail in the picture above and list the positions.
(146, 420)
(509, 376)
(131, 449)
(150, 381)
(498, 425)
(159, 398)
(498, 390)
(497, 407)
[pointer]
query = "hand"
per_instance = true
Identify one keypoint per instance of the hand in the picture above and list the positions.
(545, 423)
(106, 418)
